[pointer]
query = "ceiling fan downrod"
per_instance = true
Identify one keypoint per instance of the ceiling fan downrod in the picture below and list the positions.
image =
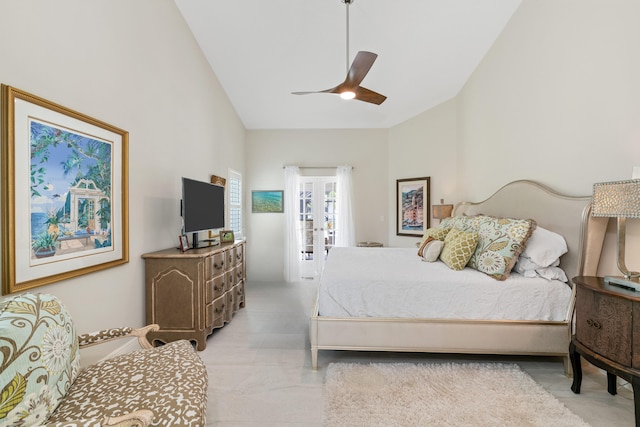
(347, 3)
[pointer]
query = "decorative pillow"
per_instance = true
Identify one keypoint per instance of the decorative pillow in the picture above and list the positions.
(40, 357)
(425, 241)
(461, 222)
(432, 234)
(500, 242)
(458, 247)
(431, 250)
(437, 233)
(544, 247)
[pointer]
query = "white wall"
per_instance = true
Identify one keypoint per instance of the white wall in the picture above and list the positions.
(556, 100)
(269, 150)
(424, 146)
(135, 65)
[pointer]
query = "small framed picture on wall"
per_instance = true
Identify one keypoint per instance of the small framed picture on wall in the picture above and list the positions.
(226, 236)
(184, 242)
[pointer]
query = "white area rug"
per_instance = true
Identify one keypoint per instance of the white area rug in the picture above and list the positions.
(447, 394)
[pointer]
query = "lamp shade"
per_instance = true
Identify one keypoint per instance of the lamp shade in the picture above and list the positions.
(442, 211)
(619, 199)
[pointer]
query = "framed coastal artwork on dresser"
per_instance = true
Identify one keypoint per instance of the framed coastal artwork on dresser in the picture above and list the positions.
(412, 206)
(64, 192)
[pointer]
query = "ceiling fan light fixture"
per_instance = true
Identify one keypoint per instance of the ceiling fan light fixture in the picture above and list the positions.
(347, 94)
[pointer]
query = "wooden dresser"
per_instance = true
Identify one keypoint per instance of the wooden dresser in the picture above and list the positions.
(607, 334)
(190, 294)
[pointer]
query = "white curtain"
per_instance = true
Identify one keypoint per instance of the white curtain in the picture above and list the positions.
(345, 233)
(292, 230)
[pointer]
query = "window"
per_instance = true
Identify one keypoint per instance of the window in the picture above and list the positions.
(234, 201)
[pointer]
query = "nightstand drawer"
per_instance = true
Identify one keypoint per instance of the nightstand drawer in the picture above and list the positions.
(603, 324)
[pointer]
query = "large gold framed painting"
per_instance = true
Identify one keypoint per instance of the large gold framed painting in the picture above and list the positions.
(64, 193)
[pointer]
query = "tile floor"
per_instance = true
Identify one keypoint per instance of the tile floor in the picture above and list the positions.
(260, 367)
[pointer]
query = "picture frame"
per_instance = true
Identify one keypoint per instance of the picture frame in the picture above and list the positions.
(218, 180)
(67, 174)
(226, 236)
(267, 201)
(184, 242)
(413, 203)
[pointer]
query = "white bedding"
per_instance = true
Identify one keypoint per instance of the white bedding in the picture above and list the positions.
(395, 282)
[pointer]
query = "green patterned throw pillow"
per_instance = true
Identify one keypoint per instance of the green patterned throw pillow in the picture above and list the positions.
(500, 242)
(432, 234)
(458, 247)
(40, 357)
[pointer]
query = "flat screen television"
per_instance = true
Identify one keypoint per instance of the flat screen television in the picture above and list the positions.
(202, 207)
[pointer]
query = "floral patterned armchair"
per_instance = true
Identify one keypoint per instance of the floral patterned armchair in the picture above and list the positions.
(42, 384)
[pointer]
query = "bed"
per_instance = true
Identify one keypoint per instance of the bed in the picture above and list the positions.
(373, 328)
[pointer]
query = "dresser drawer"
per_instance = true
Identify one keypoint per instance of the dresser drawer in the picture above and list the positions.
(215, 312)
(231, 257)
(239, 273)
(215, 265)
(215, 287)
(603, 324)
(239, 254)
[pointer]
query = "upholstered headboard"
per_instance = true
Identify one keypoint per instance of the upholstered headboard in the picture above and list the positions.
(568, 216)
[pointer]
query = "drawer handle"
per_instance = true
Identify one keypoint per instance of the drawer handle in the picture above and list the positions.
(218, 266)
(594, 323)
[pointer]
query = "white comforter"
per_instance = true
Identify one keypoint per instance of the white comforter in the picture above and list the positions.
(395, 282)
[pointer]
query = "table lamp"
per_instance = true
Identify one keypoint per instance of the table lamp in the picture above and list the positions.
(620, 200)
(442, 211)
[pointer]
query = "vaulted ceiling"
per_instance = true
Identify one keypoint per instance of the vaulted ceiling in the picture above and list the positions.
(262, 50)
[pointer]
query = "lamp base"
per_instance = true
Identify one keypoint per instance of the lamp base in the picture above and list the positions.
(632, 284)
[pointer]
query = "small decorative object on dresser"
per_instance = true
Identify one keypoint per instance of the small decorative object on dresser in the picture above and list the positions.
(607, 334)
(226, 236)
(184, 242)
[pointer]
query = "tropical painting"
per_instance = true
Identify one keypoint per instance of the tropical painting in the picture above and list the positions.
(70, 187)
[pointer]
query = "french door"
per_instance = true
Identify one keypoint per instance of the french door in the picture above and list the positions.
(317, 223)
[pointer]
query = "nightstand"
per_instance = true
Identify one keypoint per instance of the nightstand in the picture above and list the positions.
(607, 334)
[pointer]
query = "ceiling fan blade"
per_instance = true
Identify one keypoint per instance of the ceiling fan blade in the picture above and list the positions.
(332, 90)
(367, 95)
(359, 68)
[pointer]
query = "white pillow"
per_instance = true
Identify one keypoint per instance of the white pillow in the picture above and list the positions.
(552, 273)
(544, 247)
(528, 268)
(431, 250)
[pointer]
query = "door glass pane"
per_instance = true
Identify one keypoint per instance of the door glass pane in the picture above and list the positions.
(329, 215)
(306, 220)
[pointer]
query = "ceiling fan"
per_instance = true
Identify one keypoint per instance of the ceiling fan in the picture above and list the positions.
(350, 88)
